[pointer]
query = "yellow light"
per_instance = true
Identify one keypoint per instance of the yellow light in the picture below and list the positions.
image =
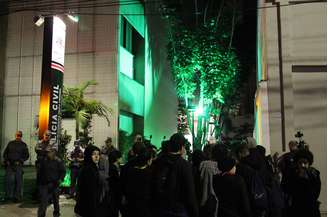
(44, 112)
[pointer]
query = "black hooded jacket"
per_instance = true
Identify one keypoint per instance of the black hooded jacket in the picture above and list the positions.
(179, 193)
(88, 185)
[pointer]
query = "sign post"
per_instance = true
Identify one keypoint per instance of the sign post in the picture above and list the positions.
(52, 77)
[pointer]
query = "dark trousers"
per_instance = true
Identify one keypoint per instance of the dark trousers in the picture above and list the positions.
(47, 193)
(74, 176)
(14, 182)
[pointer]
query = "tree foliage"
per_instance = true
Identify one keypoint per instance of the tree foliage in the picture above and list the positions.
(203, 62)
(81, 109)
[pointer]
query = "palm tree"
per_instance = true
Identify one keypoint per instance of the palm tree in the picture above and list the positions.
(81, 109)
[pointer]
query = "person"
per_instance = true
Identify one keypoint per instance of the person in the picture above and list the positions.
(41, 152)
(76, 160)
(254, 176)
(138, 191)
(286, 164)
(14, 156)
(108, 147)
(208, 199)
(52, 172)
(305, 186)
(88, 185)
(172, 182)
(231, 190)
(114, 183)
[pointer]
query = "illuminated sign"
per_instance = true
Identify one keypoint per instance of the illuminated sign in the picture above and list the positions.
(52, 77)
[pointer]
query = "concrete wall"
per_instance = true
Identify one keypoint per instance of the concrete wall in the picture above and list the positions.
(91, 53)
(161, 104)
(303, 40)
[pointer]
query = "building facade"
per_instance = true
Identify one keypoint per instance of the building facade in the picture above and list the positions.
(291, 79)
(119, 46)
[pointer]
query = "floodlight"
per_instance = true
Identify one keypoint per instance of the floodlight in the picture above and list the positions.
(38, 20)
(74, 18)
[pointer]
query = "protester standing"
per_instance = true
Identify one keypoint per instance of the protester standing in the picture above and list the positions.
(14, 156)
(52, 172)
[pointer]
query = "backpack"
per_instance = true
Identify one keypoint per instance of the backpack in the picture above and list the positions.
(258, 192)
(165, 181)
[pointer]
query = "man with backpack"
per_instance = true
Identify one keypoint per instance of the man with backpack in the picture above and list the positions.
(173, 187)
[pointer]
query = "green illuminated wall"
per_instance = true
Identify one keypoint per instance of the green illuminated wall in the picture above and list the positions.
(155, 98)
(160, 95)
(126, 123)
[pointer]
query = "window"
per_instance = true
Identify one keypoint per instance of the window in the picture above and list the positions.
(133, 43)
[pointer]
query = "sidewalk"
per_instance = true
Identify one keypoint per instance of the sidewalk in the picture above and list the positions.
(30, 210)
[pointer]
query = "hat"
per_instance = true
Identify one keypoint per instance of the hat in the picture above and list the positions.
(226, 164)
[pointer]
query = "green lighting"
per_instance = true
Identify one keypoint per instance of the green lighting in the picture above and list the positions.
(74, 18)
(126, 123)
(67, 180)
(199, 111)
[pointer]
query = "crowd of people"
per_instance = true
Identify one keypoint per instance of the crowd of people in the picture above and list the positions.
(218, 181)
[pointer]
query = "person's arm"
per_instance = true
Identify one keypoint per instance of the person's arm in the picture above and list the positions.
(25, 154)
(5, 153)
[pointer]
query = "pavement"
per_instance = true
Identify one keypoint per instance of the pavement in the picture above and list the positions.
(30, 210)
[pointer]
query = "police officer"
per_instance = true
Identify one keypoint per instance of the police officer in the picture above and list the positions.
(41, 152)
(14, 155)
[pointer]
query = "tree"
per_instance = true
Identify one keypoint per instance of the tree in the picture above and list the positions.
(203, 62)
(81, 109)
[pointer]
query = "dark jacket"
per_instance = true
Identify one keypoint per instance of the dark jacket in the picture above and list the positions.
(180, 196)
(138, 192)
(40, 150)
(115, 191)
(232, 195)
(51, 171)
(88, 187)
(16, 151)
(305, 191)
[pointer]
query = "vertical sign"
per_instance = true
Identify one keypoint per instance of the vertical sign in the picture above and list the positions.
(52, 77)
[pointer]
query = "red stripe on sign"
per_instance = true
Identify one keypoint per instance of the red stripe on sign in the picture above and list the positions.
(58, 67)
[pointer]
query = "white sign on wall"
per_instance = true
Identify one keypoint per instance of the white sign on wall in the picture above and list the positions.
(58, 41)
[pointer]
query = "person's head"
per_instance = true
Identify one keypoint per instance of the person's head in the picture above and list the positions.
(144, 157)
(165, 146)
(207, 150)
(177, 143)
(138, 138)
(108, 141)
(76, 143)
(46, 135)
(242, 151)
(18, 135)
(303, 158)
(292, 145)
(138, 147)
(91, 154)
(114, 157)
(227, 165)
(261, 150)
(219, 152)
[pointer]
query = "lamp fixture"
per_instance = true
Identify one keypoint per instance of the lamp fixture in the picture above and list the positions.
(74, 18)
(38, 20)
